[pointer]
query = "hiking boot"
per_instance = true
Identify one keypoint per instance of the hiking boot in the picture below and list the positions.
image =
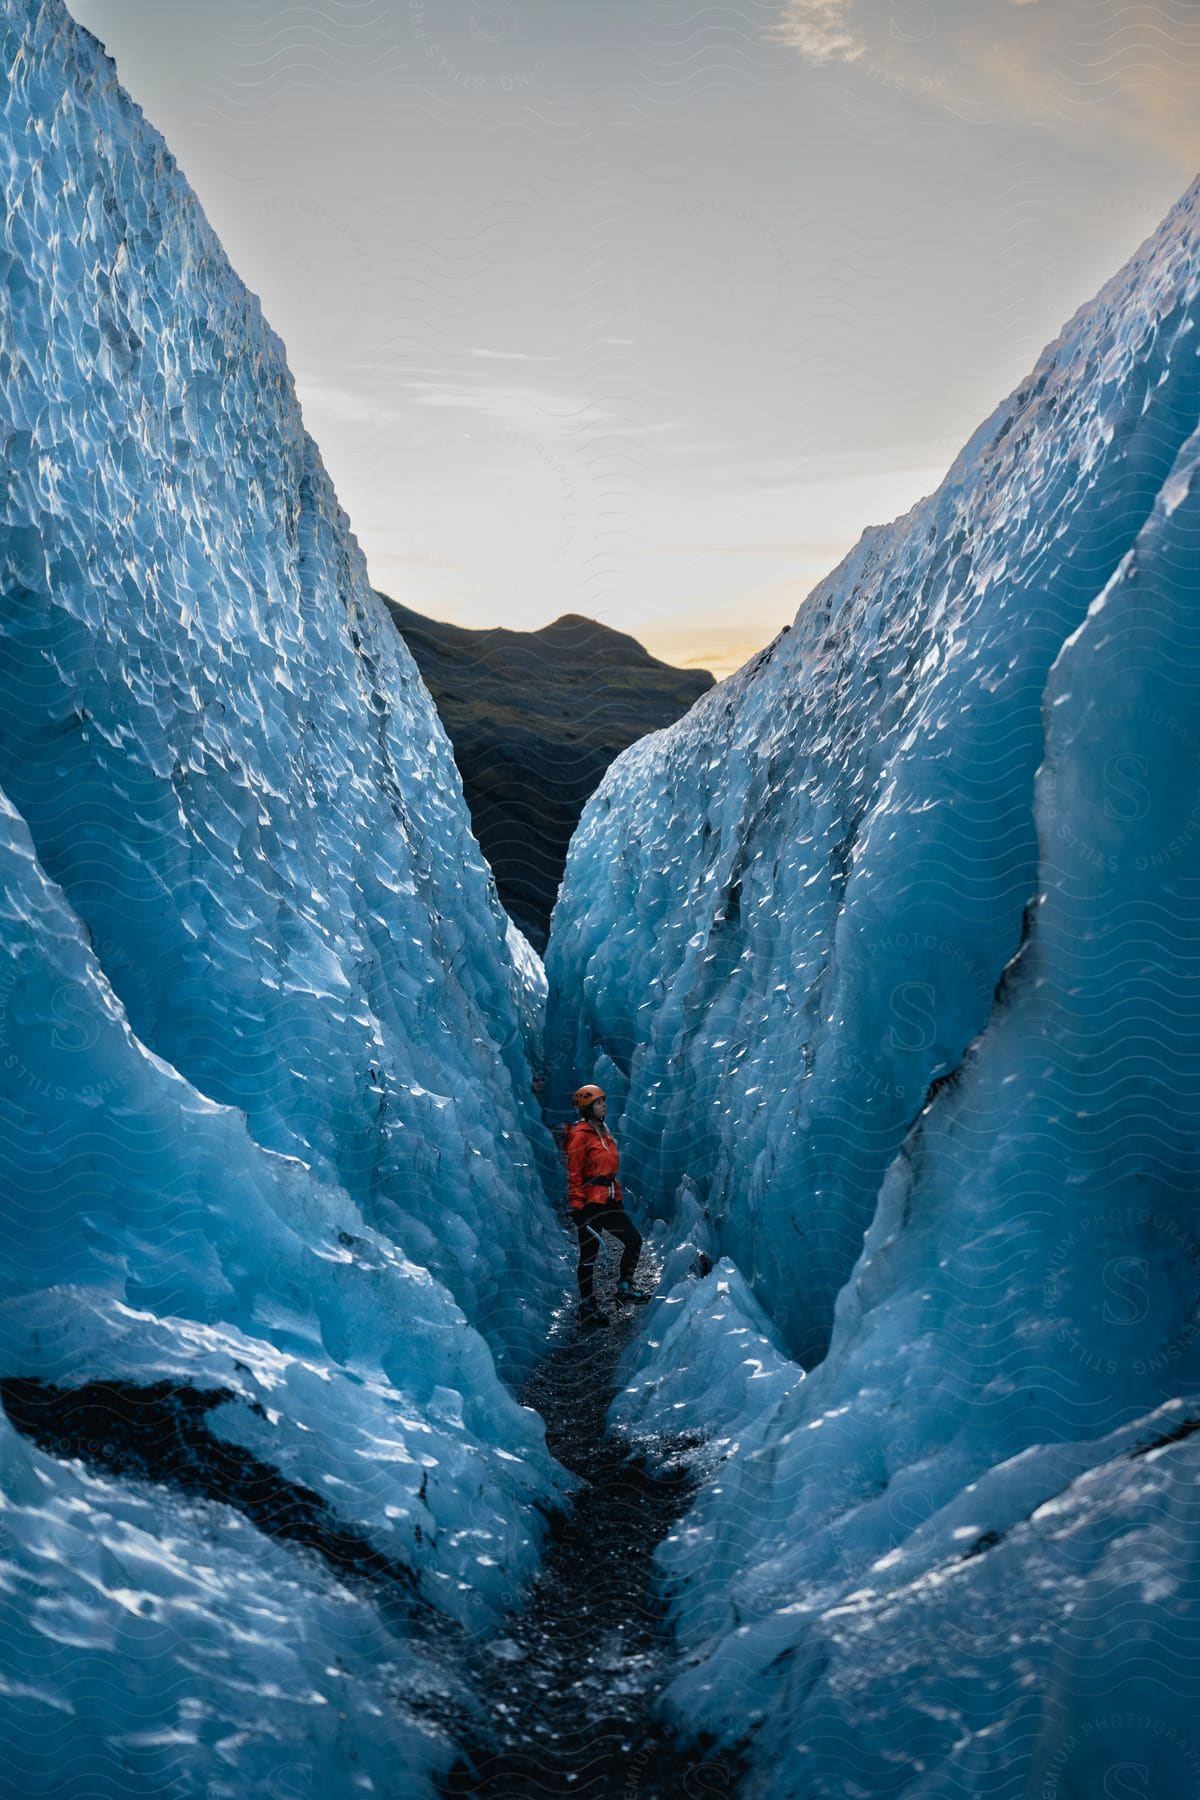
(590, 1314)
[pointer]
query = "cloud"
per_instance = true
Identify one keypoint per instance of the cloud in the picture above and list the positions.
(1130, 68)
(535, 412)
(825, 554)
(510, 355)
(427, 562)
(321, 399)
(823, 30)
(847, 30)
(526, 409)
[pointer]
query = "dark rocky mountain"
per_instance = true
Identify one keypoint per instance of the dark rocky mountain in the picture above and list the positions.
(535, 718)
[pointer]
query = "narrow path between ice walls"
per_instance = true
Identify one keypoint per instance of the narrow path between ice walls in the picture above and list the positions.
(896, 933)
(568, 1694)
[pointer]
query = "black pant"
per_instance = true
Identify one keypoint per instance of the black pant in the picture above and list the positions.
(589, 1224)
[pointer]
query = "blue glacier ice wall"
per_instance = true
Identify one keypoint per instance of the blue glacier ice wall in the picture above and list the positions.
(960, 1556)
(222, 749)
(266, 1036)
(784, 919)
(166, 1645)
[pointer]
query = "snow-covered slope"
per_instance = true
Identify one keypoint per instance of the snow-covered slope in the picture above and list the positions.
(266, 1126)
(900, 928)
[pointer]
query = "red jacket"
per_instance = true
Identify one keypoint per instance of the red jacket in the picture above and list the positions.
(592, 1167)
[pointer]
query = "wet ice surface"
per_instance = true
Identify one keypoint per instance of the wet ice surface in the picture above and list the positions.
(558, 1698)
(157, 1645)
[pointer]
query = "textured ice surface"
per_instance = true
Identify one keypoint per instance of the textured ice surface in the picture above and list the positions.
(147, 1236)
(1027, 1637)
(531, 977)
(156, 1647)
(265, 1034)
(711, 1324)
(948, 827)
(219, 742)
(162, 1643)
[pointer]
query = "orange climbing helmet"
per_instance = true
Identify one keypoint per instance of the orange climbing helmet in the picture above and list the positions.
(583, 1096)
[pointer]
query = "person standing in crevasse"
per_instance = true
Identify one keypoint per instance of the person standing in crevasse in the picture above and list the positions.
(596, 1201)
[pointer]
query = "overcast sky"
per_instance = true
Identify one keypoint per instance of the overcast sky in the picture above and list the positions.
(645, 308)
